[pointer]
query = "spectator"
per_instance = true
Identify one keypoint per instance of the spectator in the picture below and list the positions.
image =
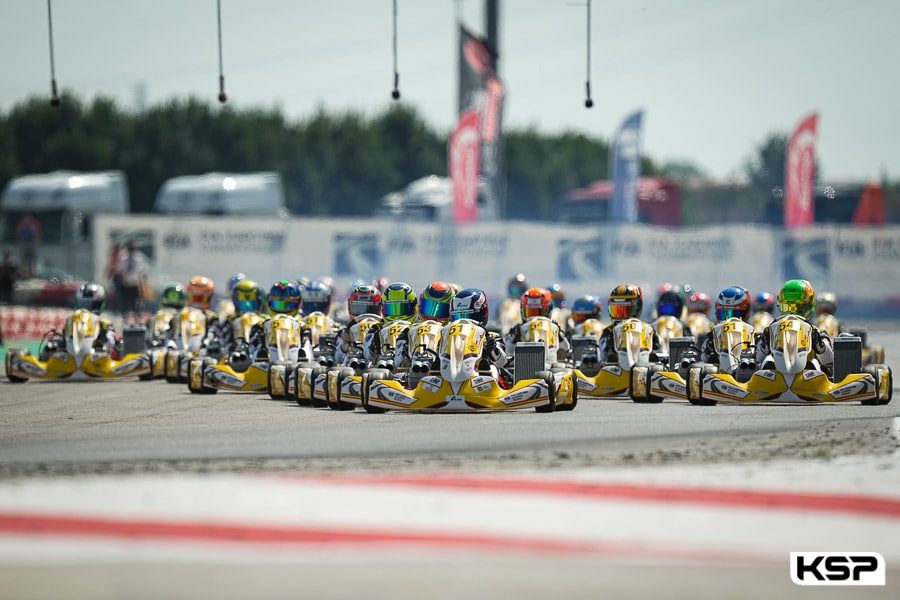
(114, 276)
(9, 273)
(29, 232)
(132, 269)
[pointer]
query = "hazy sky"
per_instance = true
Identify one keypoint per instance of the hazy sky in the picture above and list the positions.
(714, 77)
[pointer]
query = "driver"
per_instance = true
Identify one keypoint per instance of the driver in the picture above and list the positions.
(626, 301)
(798, 298)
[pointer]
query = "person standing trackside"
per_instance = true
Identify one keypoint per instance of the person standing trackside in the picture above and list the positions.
(29, 232)
(132, 269)
(9, 274)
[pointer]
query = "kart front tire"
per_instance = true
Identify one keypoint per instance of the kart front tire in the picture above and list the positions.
(8, 361)
(337, 403)
(547, 376)
(884, 389)
(696, 375)
(367, 380)
(314, 374)
(647, 376)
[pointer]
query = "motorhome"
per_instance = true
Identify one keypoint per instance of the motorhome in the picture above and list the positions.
(258, 194)
(430, 198)
(65, 204)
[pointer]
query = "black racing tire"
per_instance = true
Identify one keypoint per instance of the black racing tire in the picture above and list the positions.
(368, 378)
(294, 396)
(316, 372)
(574, 403)
(878, 372)
(8, 362)
(700, 371)
(547, 376)
(337, 403)
(649, 398)
(269, 379)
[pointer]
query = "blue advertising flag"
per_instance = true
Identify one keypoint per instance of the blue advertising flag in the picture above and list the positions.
(626, 170)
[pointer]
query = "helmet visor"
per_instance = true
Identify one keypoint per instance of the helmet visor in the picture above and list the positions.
(361, 307)
(794, 308)
(727, 313)
(246, 306)
(197, 300)
(668, 309)
(284, 305)
(434, 310)
(620, 311)
(399, 309)
(533, 311)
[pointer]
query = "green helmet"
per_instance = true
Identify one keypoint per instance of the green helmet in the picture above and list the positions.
(173, 296)
(797, 298)
(398, 302)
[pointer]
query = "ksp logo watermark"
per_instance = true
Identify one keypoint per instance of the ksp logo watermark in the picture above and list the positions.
(837, 568)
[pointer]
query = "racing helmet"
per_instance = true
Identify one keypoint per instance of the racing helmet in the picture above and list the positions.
(284, 298)
(733, 301)
(517, 286)
(558, 295)
(669, 304)
(91, 296)
(434, 302)
(246, 297)
(173, 296)
(536, 302)
(699, 302)
(398, 302)
(586, 307)
(234, 279)
(626, 301)
(200, 292)
(764, 302)
(364, 299)
(797, 298)
(470, 303)
(826, 304)
(316, 296)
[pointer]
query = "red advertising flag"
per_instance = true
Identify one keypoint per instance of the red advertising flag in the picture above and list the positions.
(800, 175)
(464, 157)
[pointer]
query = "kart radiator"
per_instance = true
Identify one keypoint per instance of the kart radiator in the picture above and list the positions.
(529, 360)
(134, 339)
(847, 356)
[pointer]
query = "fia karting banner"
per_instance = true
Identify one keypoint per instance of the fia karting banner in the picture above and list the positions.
(800, 175)
(481, 90)
(626, 170)
(463, 157)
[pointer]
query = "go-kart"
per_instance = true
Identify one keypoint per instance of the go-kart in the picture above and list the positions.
(159, 337)
(733, 340)
(667, 327)
(761, 320)
(633, 340)
(318, 382)
(790, 376)
(171, 360)
(459, 387)
(74, 353)
(241, 372)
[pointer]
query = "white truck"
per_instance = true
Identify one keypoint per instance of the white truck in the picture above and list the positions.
(259, 194)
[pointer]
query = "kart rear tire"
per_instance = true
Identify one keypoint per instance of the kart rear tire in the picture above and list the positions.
(293, 396)
(8, 361)
(269, 376)
(547, 376)
(879, 372)
(337, 403)
(367, 380)
(700, 372)
(649, 398)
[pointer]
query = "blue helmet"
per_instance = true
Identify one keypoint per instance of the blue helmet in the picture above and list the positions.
(470, 303)
(733, 301)
(316, 297)
(284, 298)
(586, 307)
(234, 279)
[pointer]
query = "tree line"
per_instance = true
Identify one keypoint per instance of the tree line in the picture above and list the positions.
(336, 164)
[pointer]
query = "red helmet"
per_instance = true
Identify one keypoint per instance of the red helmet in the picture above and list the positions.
(200, 292)
(536, 302)
(698, 302)
(364, 299)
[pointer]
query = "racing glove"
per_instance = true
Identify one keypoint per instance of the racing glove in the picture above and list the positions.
(818, 342)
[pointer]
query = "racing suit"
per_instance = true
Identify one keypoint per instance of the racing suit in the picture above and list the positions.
(346, 350)
(822, 348)
(514, 335)
(608, 352)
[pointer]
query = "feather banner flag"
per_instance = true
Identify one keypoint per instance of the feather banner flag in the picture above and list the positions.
(626, 170)
(800, 175)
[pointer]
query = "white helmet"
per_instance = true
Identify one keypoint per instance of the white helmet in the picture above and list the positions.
(91, 296)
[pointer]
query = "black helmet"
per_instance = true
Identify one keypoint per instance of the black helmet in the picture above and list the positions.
(470, 303)
(91, 296)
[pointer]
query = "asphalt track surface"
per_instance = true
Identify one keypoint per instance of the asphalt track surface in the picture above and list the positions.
(121, 489)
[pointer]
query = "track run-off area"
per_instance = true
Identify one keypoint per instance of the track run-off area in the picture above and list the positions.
(129, 489)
